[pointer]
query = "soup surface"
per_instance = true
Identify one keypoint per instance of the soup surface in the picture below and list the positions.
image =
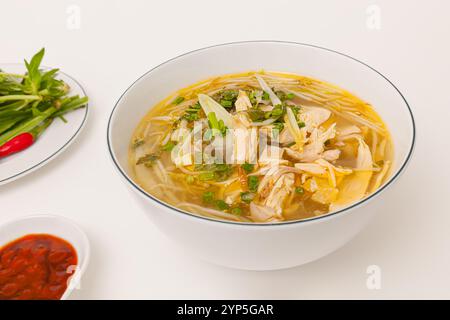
(261, 147)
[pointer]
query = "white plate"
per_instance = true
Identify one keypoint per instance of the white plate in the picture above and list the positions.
(57, 226)
(52, 142)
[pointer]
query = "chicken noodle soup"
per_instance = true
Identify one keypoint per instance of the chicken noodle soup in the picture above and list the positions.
(261, 147)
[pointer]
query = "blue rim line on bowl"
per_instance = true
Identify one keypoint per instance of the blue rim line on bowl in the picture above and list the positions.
(279, 224)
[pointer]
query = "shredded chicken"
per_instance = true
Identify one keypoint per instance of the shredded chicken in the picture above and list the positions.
(286, 137)
(261, 213)
(243, 102)
(345, 131)
(313, 117)
(355, 186)
(271, 155)
(281, 189)
(315, 147)
(331, 155)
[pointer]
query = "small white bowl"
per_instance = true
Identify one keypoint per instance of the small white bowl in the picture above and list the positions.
(261, 246)
(53, 225)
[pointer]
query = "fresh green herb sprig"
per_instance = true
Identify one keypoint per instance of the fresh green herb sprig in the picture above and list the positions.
(27, 100)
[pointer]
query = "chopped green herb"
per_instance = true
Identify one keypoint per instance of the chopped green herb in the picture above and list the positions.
(256, 114)
(248, 167)
(213, 167)
(277, 112)
(265, 96)
(215, 125)
(247, 197)
(207, 176)
(222, 205)
(191, 116)
(222, 127)
(196, 105)
(215, 171)
(299, 190)
(226, 98)
(137, 143)
(191, 110)
(284, 96)
(192, 113)
(237, 211)
(226, 103)
(253, 183)
(148, 159)
(208, 197)
(301, 124)
(252, 96)
(279, 126)
(295, 110)
(229, 94)
(168, 146)
(178, 100)
(290, 144)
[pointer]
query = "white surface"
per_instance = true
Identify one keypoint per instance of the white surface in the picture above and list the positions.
(55, 225)
(120, 40)
(55, 139)
(250, 247)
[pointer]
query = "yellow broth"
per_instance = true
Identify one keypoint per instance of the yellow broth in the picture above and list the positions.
(309, 195)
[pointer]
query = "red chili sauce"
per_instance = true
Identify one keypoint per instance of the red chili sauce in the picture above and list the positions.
(36, 266)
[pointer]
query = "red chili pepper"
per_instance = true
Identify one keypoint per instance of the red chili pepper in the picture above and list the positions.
(23, 140)
(16, 144)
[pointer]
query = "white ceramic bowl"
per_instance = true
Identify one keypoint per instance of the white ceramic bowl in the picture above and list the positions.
(56, 226)
(261, 246)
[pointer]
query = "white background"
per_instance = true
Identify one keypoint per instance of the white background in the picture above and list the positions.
(119, 40)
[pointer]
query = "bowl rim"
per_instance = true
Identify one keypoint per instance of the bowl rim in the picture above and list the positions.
(66, 144)
(269, 224)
